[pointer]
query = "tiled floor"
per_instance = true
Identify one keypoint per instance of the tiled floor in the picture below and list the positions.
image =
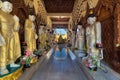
(53, 69)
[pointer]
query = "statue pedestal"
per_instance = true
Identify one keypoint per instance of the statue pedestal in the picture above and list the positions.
(80, 53)
(14, 74)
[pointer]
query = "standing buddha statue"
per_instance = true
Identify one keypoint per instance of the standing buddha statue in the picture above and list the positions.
(80, 41)
(93, 35)
(7, 30)
(30, 34)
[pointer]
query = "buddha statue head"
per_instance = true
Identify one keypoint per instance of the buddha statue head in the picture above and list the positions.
(6, 6)
(91, 19)
(79, 25)
(32, 17)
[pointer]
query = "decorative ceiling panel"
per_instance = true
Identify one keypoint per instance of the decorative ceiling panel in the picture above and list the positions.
(60, 19)
(59, 6)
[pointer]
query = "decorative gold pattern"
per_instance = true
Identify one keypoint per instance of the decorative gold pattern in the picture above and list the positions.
(29, 3)
(79, 10)
(40, 10)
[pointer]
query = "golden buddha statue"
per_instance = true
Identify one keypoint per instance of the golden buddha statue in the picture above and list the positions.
(8, 24)
(30, 34)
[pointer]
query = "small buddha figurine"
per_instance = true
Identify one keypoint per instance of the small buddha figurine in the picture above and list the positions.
(7, 31)
(30, 34)
(80, 41)
(93, 35)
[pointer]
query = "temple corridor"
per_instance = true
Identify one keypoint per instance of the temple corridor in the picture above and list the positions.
(59, 39)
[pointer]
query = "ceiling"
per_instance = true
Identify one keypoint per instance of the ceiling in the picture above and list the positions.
(62, 7)
(59, 6)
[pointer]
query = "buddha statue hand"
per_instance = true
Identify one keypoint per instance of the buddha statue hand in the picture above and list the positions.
(33, 26)
(36, 36)
(16, 18)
